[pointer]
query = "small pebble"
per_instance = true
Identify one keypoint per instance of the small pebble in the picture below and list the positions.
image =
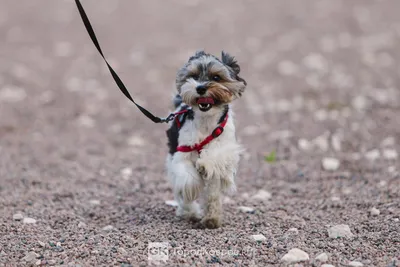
(18, 217)
(390, 154)
(246, 209)
(38, 262)
(388, 141)
(58, 244)
(330, 164)
(262, 195)
(94, 202)
(136, 140)
(323, 257)
(42, 244)
(258, 238)
(30, 257)
(126, 173)
(293, 231)
(322, 142)
(327, 265)
(374, 212)
(341, 230)
(360, 103)
(29, 221)
(86, 121)
(108, 228)
(295, 255)
(82, 225)
(122, 251)
(304, 144)
(336, 142)
(373, 154)
(355, 264)
(12, 94)
(171, 203)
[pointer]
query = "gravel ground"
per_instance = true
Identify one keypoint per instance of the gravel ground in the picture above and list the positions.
(82, 180)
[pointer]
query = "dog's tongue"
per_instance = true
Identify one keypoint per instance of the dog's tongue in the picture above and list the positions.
(205, 100)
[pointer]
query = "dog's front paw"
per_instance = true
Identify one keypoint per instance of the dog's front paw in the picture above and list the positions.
(201, 169)
(211, 222)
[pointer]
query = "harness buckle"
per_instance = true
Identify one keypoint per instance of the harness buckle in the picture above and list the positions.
(217, 131)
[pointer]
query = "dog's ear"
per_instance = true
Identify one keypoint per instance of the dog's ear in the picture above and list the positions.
(198, 54)
(230, 61)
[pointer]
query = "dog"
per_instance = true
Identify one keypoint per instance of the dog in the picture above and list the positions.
(203, 153)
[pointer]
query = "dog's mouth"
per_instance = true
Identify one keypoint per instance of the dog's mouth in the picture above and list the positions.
(205, 103)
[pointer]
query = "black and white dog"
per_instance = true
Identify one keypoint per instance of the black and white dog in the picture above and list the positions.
(203, 152)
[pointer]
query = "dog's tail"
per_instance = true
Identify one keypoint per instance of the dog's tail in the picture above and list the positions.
(176, 101)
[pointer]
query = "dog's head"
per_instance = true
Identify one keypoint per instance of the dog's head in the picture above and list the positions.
(206, 81)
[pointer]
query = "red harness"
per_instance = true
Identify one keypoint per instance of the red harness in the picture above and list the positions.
(198, 147)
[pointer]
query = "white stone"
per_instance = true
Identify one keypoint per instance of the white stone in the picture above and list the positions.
(341, 230)
(18, 217)
(372, 154)
(42, 244)
(246, 209)
(262, 195)
(126, 173)
(388, 141)
(30, 257)
(108, 228)
(323, 257)
(171, 203)
(86, 121)
(330, 164)
(136, 140)
(360, 103)
(293, 231)
(304, 144)
(391, 169)
(258, 238)
(12, 94)
(38, 262)
(122, 251)
(295, 255)
(327, 265)
(374, 211)
(94, 202)
(316, 61)
(58, 244)
(336, 142)
(321, 115)
(390, 154)
(355, 264)
(29, 220)
(322, 142)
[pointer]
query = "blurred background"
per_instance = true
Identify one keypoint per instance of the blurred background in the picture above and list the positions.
(323, 82)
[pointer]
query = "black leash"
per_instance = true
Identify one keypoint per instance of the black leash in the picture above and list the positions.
(117, 80)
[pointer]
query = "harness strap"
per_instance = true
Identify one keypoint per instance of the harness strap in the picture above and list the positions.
(198, 147)
(117, 80)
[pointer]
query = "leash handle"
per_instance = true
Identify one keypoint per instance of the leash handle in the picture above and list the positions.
(116, 78)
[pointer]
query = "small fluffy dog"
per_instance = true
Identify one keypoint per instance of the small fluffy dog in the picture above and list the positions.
(203, 151)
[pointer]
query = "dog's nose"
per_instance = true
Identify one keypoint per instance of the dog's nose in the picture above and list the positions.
(201, 89)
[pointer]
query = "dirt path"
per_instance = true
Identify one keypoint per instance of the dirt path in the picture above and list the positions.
(88, 168)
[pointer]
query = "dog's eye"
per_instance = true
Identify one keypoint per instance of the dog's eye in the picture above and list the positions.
(216, 78)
